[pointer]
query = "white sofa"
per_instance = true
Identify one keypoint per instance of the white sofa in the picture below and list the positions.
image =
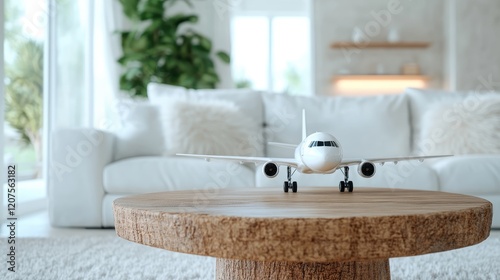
(91, 168)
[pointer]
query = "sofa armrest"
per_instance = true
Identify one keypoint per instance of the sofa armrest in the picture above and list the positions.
(75, 184)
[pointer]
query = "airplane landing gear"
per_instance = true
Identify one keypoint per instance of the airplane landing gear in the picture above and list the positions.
(289, 184)
(346, 183)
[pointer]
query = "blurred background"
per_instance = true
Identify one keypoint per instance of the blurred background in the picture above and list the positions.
(61, 58)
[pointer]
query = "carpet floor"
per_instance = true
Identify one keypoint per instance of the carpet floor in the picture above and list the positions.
(109, 257)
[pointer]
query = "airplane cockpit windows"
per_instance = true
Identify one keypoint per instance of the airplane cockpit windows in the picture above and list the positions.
(323, 144)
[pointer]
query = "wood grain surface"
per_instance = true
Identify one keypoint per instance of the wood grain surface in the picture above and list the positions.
(244, 269)
(317, 225)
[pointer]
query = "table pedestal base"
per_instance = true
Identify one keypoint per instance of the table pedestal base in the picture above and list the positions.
(244, 269)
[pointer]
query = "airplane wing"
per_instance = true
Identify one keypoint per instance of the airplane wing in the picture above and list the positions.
(282, 145)
(279, 161)
(348, 162)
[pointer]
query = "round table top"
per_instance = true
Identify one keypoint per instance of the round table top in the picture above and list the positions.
(313, 225)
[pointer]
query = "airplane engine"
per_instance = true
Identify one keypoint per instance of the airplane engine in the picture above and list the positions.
(366, 169)
(270, 169)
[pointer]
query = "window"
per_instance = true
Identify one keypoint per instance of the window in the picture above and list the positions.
(271, 47)
(323, 144)
(24, 42)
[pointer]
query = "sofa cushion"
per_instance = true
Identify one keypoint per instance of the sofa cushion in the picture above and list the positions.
(469, 126)
(420, 101)
(140, 132)
(469, 174)
(404, 175)
(249, 102)
(365, 126)
(209, 127)
(157, 174)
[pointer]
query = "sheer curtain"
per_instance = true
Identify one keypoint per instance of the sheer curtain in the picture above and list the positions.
(70, 77)
(107, 97)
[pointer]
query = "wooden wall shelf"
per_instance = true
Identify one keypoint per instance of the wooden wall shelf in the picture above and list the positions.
(381, 45)
(381, 77)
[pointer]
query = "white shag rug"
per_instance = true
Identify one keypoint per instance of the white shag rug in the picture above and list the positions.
(110, 257)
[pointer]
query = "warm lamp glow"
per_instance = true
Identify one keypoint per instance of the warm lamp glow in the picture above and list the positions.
(372, 85)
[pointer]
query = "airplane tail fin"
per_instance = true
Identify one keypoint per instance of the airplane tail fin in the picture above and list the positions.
(304, 130)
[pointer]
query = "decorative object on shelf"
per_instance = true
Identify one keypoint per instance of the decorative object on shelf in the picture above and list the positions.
(357, 35)
(162, 48)
(410, 69)
(393, 35)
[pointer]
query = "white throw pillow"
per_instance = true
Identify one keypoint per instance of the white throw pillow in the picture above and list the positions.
(212, 127)
(248, 103)
(140, 133)
(470, 126)
(420, 102)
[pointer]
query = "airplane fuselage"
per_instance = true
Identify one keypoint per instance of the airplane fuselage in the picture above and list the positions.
(320, 152)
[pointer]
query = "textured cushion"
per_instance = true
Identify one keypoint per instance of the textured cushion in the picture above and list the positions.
(140, 133)
(249, 103)
(469, 174)
(404, 175)
(210, 127)
(365, 126)
(420, 101)
(470, 126)
(156, 174)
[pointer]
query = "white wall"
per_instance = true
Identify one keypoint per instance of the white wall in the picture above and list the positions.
(415, 20)
(475, 47)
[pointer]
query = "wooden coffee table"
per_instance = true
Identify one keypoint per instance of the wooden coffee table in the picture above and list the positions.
(317, 233)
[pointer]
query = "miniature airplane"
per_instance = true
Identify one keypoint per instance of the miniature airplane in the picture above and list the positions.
(318, 153)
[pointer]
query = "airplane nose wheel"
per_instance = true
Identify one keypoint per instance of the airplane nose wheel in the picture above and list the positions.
(289, 184)
(346, 183)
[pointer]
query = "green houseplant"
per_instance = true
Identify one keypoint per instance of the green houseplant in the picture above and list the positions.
(157, 49)
(24, 94)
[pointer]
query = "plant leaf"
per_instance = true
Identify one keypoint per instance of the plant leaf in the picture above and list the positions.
(130, 8)
(224, 57)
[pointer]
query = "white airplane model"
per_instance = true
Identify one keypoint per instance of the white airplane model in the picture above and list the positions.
(318, 153)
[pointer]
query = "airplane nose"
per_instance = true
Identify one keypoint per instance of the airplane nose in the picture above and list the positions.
(322, 162)
(330, 160)
(326, 162)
